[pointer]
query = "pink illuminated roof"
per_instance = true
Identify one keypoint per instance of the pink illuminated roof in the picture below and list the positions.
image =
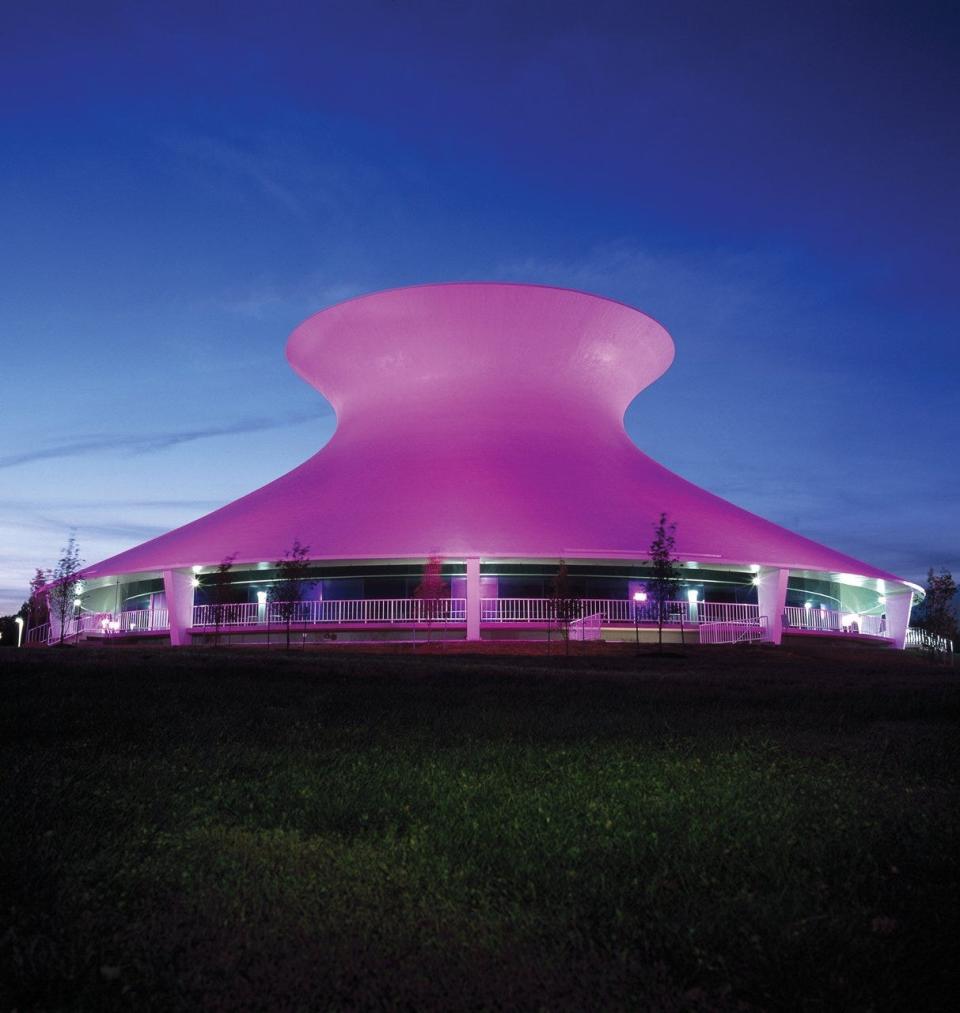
(479, 419)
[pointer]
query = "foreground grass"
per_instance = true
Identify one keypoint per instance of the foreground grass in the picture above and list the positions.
(728, 830)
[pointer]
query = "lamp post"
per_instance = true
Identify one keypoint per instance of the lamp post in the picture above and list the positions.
(19, 621)
(638, 598)
(77, 602)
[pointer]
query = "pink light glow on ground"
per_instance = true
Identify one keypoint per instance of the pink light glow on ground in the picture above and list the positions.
(479, 419)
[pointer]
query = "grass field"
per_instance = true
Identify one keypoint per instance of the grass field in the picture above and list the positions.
(727, 830)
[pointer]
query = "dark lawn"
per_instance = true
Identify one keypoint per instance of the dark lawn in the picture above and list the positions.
(733, 829)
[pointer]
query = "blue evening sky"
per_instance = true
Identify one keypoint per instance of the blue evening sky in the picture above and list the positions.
(182, 183)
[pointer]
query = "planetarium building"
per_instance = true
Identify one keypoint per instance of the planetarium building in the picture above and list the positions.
(481, 426)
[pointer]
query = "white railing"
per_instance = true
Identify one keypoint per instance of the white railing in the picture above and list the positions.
(618, 610)
(71, 629)
(918, 639)
(832, 621)
(346, 612)
(586, 628)
(103, 624)
(734, 631)
(871, 626)
(38, 634)
(138, 621)
(115, 623)
(516, 610)
(714, 619)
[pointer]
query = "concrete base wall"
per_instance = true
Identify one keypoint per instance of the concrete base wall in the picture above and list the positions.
(830, 643)
(278, 638)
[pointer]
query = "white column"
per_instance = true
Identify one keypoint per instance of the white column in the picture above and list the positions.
(897, 609)
(772, 598)
(178, 585)
(473, 598)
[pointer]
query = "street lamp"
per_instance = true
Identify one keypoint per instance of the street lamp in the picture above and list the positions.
(19, 621)
(77, 602)
(638, 598)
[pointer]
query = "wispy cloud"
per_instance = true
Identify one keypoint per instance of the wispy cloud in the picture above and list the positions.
(142, 443)
(66, 504)
(718, 285)
(307, 295)
(243, 164)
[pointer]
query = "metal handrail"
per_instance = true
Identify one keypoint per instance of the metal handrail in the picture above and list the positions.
(586, 628)
(919, 639)
(734, 631)
(797, 617)
(340, 612)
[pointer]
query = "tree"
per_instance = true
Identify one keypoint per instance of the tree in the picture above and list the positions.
(36, 610)
(286, 592)
(64, 580)
(938, 614)
(432, 591)
(665, 575)
(564, 605)
(218, 584)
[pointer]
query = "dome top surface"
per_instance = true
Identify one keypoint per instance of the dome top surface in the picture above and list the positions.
(479, 419)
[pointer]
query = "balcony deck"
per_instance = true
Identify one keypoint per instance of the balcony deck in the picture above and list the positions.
(715, 622)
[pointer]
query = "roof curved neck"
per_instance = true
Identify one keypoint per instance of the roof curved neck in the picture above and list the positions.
(485, 349)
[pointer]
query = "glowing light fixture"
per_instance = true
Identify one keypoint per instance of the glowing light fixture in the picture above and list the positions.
(195, 582)
(692, 596)
(882, 599)
(261, 597)
(19, 621)
(196, 569)
(638, 597)
(808, 604)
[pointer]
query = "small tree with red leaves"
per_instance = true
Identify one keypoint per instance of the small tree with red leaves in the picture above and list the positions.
(432, 593)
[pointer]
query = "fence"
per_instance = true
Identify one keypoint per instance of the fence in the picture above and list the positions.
(831, 621)
(618, 610)
(721, 620)
(38, 634)
(921, 640)
(346, 612)
(734, 632)
(587, 628)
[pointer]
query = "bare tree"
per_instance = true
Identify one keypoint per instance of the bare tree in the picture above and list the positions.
(36, 609)
(218, 584)
(564, 605)
(432, 592)
(286, 592)
(937, 614)
(64, 578)
(665, 576)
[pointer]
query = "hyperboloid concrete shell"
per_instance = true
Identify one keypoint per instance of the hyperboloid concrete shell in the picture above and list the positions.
(483, 420)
